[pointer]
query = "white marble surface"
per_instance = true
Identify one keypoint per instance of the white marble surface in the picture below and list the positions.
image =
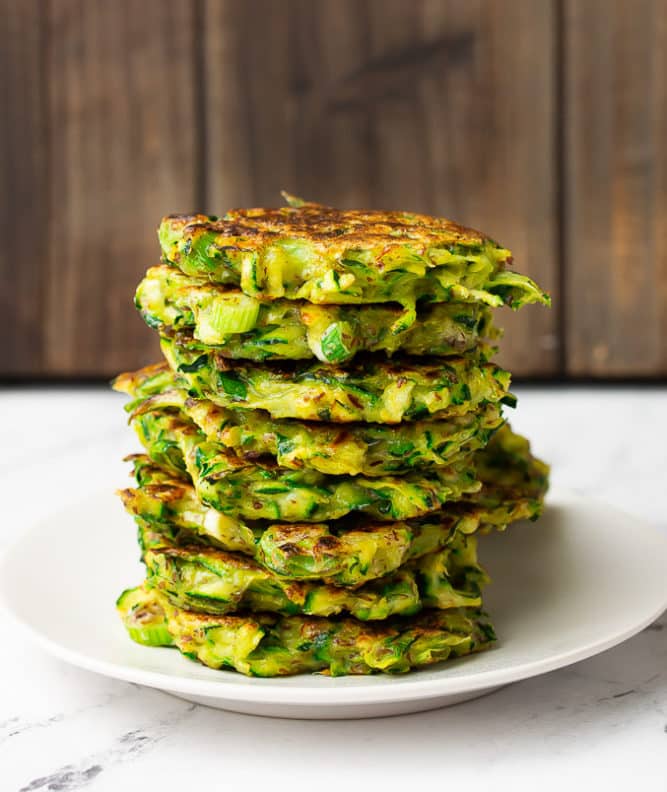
(599, 724)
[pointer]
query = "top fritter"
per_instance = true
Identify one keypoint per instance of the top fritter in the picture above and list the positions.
(323, 255)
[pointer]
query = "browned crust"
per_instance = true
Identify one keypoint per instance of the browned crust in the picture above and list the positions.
(427, 623)
(317, 223)
(128, 381)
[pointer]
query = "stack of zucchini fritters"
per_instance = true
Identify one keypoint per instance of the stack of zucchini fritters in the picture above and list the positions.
(325, 440)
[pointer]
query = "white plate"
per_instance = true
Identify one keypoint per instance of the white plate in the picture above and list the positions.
(582, 579)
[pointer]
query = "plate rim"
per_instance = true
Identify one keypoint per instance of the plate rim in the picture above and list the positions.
(269, 690)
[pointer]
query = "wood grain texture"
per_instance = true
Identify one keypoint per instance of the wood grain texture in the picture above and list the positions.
(123, 153)
(24, 187)
(116, 113)
(427, 106)
(616, 187)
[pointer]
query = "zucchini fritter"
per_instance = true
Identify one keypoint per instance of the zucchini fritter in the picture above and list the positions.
(371, 389)
(352, 551)
(268, 645)
(510, 474)
(262, 490)
(369, 449)
(239, 326)
(342, 553)
(324, 255)
(214, 581)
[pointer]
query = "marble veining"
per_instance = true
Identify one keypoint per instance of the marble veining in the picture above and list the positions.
(17, 725)
(601, 722)
(125, 748)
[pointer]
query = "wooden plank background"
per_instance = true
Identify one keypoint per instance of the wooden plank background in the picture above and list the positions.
(543, 122)
(616, 187)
